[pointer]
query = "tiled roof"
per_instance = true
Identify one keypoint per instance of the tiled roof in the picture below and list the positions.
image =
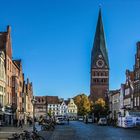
(5, 38)
(113, 92)
(52, 100)
(40, 99)
(67, 102)
(17, 63)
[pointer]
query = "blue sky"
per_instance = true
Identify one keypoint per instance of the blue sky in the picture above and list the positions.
(54, 40)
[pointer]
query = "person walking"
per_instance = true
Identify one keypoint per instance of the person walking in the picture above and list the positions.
(16, 122)
(68, 120)
(20, 122)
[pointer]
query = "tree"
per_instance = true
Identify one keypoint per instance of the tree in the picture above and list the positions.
(100, 108)
(83, 104)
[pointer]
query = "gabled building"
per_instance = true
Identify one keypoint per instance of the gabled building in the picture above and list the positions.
(14, 81)
(114, 103)
(128, 91)
(2, 86)
(63, 108)
(29, 97)
(17, 91)
(99, 79)
(53, 105)
(136, 95)
(72, 109)
(40, 106)
(26, 99)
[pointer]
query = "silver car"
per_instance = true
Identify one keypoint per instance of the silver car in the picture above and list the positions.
(102, 121)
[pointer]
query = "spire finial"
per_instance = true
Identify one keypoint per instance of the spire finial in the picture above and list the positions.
(100, 5)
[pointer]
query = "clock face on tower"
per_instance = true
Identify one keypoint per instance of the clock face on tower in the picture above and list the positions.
(100, 63)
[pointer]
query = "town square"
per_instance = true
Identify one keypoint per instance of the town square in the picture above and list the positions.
(70, 70)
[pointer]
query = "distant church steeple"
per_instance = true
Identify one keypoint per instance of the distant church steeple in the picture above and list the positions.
(99, 46)
(99, 63)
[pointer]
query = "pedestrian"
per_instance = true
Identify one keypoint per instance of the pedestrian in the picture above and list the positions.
(68, 120)
(20, 122)
(86, 120)
(16, 122)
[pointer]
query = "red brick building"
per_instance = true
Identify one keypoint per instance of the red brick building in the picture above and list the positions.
(14, 89)
(99, 81)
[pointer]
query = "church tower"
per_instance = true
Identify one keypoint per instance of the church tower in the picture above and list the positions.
(99, 82)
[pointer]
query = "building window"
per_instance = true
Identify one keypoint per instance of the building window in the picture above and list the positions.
(135, 101)
(20, 94)
(20, 84)
(8, 64)
(138, 102)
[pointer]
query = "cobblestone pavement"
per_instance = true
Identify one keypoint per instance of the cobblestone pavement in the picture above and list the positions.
(6, 132)
(82, 131)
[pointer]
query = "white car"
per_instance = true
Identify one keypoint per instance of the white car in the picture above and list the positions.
(102, 121)
(80, 118)
(90, 120)
(60, 120)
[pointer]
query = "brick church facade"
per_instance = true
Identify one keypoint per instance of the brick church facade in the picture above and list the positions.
(99, 80)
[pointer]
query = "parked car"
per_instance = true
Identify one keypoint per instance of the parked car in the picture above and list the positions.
(72, 118)
(80, 118)
(102, 121)
(138, 122)
(60, 120)
(90, 119)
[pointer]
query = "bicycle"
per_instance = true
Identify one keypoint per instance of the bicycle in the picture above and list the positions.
(36, 136)
(15, 136)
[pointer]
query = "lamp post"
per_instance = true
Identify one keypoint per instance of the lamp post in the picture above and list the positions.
(34, 102)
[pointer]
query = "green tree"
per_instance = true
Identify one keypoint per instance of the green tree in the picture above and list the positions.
(83, 104)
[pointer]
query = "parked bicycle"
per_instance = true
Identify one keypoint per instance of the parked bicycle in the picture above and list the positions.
(46, 127)
(26, 135)
(15, 136)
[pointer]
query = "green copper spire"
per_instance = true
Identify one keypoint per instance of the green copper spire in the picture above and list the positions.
(99, 46)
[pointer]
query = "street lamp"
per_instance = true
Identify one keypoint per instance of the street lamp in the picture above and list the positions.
(34, 102)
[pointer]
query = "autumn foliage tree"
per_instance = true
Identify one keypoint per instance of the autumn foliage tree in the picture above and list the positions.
(100, 108)
(83, 104)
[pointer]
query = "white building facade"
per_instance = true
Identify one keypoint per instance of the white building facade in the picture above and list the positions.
(63, 108)
(72, 109)
(53, 105)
